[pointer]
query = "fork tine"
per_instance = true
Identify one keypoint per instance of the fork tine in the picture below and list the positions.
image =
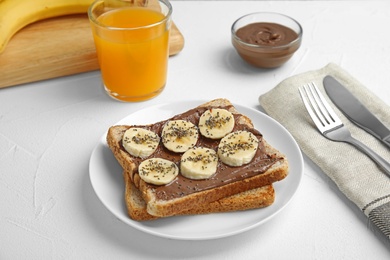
(305, 96)
(320, 109)
(325, 108)
(313, 102)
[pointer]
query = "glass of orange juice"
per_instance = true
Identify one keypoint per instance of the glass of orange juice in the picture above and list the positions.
(132, 40)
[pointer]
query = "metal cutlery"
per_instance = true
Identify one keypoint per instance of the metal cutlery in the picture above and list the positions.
(331, 126)
(355, 111)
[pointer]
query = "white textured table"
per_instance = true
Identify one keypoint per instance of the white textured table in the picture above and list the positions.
(48, 209)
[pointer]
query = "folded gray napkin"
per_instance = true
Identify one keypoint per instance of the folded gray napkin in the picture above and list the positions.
(354, 173)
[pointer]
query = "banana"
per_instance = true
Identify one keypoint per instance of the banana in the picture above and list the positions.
(158, 171)
(140, 142)
(179, 135)
(199, 163)
(238, 148)
(16, 14)
(216, 123)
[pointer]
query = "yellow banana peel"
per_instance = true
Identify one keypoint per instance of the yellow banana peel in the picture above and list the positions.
(16, 14)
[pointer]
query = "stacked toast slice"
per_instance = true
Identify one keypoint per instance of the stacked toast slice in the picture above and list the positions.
(196, 162)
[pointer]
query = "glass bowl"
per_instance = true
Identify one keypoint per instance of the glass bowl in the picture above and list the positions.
(266, 40)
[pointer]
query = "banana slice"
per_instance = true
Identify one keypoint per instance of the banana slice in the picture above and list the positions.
(238, 148)
(179, 135)
(140, 142)
(216, 123)
(199, 163)
(158, 171)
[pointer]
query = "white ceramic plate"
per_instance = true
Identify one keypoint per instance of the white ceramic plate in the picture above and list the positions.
(107, 181)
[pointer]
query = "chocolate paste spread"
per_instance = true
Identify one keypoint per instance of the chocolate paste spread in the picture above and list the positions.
(182, 186)
(266, 45)
(268, 34)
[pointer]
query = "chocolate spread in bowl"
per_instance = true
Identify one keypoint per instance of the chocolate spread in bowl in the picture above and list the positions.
(266, 45)
(266, 34)
(225, 174)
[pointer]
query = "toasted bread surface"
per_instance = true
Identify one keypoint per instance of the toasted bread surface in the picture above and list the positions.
(162, 207)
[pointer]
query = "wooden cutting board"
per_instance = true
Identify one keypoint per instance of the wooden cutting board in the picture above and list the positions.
(56, 47)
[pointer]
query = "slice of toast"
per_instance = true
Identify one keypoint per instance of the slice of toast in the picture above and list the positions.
(252, 199)
(267, 167)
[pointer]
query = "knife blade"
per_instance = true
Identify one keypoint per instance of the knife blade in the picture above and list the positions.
(355, 111)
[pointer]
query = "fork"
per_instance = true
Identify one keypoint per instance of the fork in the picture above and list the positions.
(330, 125)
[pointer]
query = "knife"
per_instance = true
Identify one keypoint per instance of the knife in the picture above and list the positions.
(355, 111)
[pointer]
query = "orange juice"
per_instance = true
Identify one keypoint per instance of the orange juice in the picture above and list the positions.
(132, 49)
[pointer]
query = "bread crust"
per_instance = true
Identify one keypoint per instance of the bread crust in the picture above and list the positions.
(163, 208)
(251, 199)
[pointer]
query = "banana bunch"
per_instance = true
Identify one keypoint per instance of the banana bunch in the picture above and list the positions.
(236, 148)
(16, 14)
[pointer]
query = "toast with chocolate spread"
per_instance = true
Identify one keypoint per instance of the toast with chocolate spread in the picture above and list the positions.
(229, 165)
(252, 199)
